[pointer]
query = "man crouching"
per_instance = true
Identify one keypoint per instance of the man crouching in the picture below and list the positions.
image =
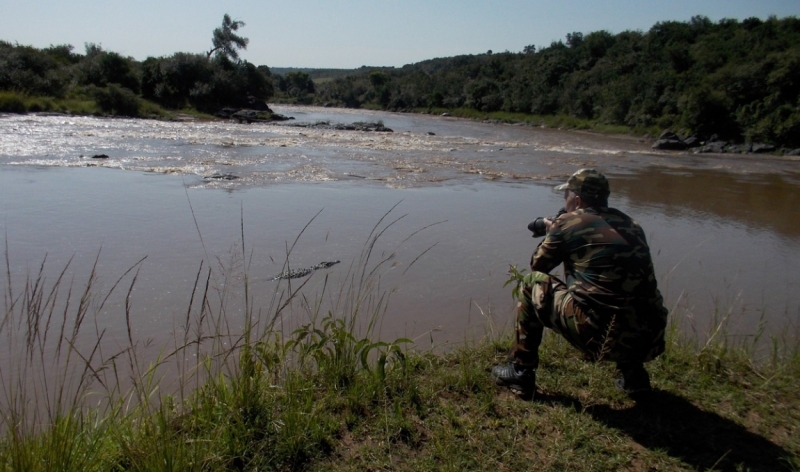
(609, 307)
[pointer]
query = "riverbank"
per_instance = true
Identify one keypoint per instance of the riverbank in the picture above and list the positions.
(656, 138)
(662, 140)
(546, 121)
(246, 389)
(88, 105)
(332, 395)
(11, 102)
(311, 403)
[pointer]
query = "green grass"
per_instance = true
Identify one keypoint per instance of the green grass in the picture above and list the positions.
(191, 112)
(73, 104)
(330, 395)
(372, 106)
(11, 102)
(83, 104)
(547, 121)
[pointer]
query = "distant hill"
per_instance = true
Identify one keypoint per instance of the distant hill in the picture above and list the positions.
(320, 73)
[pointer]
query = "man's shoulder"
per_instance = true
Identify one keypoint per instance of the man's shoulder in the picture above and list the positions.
(595, 214)
(613, 211)
(616, 217)
(600, 220)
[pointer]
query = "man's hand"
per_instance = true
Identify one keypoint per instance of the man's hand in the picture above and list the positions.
(548, 223)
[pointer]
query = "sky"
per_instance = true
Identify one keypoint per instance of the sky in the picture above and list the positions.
(348, 33)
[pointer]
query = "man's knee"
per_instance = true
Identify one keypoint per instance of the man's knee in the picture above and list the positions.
(536, 304)
(539, 286)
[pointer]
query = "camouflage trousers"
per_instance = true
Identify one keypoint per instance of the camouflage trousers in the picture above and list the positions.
(548, 303)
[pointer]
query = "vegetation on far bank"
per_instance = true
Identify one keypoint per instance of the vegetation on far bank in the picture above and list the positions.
(330, 394)
(733, 79)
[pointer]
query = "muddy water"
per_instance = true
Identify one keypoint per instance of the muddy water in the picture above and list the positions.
(724, 230)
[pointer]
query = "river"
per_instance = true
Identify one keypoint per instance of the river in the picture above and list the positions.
(724, 229)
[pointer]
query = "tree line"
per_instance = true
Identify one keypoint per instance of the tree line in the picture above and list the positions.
(737, 79)
(206, 81)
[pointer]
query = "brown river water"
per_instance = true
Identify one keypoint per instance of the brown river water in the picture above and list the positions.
(724, 230)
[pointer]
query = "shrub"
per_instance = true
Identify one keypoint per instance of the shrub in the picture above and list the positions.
(101, 68)
(11, 102)
(35, 104)
(116, 100)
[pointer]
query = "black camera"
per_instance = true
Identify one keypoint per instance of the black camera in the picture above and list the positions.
(537, 226)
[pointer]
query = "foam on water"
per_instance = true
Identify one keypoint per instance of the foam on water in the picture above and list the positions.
(265, 154)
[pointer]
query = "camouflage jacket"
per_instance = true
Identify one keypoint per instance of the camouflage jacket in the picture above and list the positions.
(607, 266)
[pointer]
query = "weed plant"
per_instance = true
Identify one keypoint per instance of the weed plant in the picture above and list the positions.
(329, 394)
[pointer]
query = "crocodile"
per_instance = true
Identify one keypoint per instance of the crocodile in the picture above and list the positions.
(295, 273)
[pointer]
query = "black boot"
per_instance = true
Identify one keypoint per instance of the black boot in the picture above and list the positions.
(632, 378)
(519, 379)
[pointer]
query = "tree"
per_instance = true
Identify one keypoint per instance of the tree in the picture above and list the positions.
(101, 68)
(298, 84)
(378, 78)
(226, 41)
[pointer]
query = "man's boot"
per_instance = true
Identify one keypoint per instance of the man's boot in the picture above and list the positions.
(632, 378)
(519, 379)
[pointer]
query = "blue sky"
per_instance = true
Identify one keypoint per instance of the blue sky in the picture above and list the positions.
(348, 33)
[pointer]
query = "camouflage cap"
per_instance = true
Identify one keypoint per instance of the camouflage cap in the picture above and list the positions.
(588, 183)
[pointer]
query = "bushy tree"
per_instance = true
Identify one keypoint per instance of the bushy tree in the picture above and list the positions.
(191, 80)
(224, 39)
(101, 68)
(36, 72)
(381, 93)
(297, 83)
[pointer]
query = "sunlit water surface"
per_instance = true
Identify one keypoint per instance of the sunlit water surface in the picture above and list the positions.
(724, 230)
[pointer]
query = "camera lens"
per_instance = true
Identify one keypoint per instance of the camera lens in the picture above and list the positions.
(537, 227)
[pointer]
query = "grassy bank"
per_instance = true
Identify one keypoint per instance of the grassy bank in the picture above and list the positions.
(548, 121)
(424, 411)
(88, 104)
(92, 103)
(330, 395)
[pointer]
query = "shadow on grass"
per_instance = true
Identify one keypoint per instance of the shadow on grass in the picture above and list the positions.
(699, 438)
